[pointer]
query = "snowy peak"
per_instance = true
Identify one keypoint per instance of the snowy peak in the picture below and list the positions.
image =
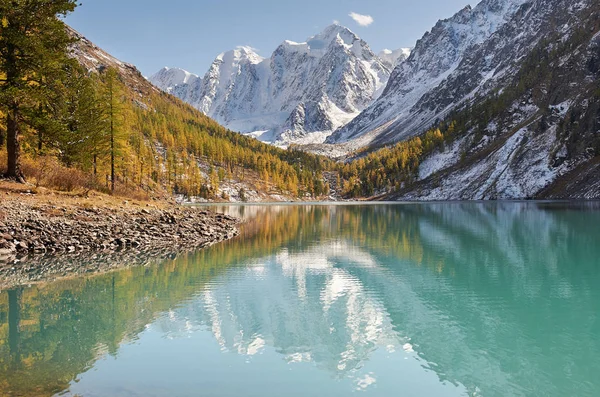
(392, 58)
(335, 42)
(480, 22)
(436, 56)
(318, 45)
(167, 79)
(229, 79)
(242, 54)
(301, 93)
(333, 34)
(450, 38)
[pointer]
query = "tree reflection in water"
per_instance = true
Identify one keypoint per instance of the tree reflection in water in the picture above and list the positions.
(481, 290)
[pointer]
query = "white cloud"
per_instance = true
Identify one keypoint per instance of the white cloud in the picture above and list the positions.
(336, 22)
(362, 20)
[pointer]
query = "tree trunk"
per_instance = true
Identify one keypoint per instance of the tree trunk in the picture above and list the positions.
(13, 146)
(112, 156)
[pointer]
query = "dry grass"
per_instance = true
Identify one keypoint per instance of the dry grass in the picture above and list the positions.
(139, 195)
(28, 193)
(3, 160)
(47, 172)
(51, 183)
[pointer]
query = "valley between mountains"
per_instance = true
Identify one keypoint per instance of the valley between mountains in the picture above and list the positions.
(509, 89)
(500, 101)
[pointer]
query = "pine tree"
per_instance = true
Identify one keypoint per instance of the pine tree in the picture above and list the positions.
(94, 121)
(77, 127)
(33, 44)
(113, 103)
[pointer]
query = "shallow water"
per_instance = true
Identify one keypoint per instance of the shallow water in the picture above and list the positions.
(444, 299)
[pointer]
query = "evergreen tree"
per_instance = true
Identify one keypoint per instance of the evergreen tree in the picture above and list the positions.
(113, 102)
(93, 121)
(84, 138)
(33, 44)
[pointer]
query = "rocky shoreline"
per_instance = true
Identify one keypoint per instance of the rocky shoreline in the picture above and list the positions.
(35, 234)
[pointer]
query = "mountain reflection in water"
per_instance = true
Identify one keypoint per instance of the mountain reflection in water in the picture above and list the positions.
(444, 299)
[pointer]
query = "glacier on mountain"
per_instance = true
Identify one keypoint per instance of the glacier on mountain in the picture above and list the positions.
(301, 94)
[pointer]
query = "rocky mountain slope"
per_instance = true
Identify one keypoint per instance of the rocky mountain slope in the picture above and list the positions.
(302, 93)
(444, 52)
(531, 126)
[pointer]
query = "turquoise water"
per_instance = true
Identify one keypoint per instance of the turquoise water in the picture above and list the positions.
(478, 299)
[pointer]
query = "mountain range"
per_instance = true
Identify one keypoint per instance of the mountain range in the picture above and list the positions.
(329, 87)
(300, 94)
(518, 79)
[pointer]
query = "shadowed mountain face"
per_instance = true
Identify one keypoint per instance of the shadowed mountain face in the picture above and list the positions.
(530, 129)
(436, 299)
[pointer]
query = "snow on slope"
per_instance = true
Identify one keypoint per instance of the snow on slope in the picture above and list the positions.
(391, 59)
(168, 79)
(302, 93)
(544, 143)
(435, 57)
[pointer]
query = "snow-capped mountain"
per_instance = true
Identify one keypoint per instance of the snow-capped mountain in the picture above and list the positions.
(436, 56)
(391, 59)
(178, 82)
(530, 129)
(302, 93)
(171, 78)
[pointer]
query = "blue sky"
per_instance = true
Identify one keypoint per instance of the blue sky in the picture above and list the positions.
(191, 33)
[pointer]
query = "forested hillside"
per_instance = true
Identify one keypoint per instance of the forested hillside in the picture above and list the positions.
(88, 120)
(85, 120)
(173, 145)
